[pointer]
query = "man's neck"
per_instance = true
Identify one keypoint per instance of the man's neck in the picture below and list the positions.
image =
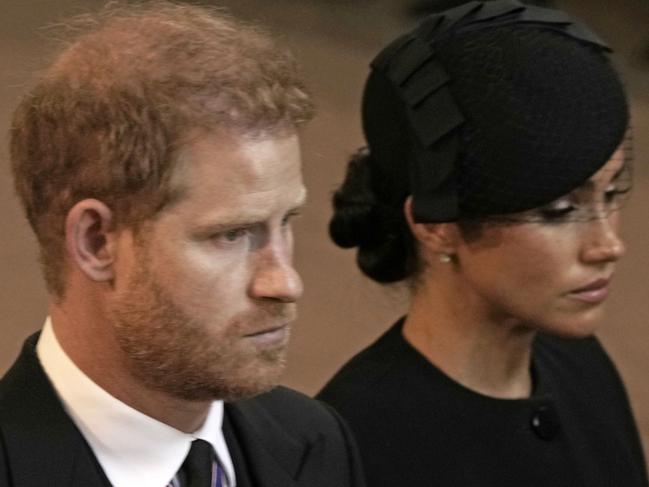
(93, 348)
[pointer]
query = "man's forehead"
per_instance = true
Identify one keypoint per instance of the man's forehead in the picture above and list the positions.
(238, 168)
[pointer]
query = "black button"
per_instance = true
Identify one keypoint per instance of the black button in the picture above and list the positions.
(545, 422)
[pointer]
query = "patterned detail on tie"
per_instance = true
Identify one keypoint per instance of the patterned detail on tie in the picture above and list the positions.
(196, 456)
(217, 475)
(218, 478)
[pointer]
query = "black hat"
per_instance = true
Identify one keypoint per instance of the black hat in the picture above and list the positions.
(493, 108)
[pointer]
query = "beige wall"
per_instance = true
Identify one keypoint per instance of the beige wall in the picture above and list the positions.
(341, 311)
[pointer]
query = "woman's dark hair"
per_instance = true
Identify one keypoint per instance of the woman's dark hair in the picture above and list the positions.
(386, 248)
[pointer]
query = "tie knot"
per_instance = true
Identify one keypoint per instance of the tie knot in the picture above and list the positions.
(198, 464)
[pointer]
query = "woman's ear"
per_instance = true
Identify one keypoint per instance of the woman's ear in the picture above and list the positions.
(90, 239)
(435, 238)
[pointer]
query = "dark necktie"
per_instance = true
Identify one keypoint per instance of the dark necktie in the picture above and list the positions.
(200, 468)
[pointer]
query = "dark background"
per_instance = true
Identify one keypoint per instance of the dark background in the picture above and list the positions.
(341, 311)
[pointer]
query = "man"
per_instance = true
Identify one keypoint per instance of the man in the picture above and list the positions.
(158, 164)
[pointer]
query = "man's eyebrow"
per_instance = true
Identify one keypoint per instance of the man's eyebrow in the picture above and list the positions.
(300, 202)
(240, 220)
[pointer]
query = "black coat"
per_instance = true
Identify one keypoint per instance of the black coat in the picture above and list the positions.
(417, 427)
(277, 439)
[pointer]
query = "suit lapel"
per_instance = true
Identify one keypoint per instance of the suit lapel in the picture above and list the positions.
(35, 426)
(265, 453)
(241, 469)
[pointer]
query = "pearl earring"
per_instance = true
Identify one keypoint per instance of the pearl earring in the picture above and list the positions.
(444, 258)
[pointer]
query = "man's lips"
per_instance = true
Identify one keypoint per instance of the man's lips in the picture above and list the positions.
(270, 329)
(270, 336)
(595, 292)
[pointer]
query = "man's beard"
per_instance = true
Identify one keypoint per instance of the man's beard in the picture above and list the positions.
(169, 351)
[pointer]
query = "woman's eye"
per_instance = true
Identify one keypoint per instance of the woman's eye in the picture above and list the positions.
(557, 210)
(613, 192)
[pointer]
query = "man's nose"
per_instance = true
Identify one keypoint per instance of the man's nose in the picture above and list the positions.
(274, 277)
(602, 240)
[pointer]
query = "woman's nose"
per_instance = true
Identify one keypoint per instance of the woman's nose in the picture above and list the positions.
(602, 240)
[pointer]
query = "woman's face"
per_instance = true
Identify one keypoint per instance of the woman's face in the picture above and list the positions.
(552, 270)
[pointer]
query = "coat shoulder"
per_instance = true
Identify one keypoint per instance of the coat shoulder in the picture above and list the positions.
(294, 411)
(306, 436)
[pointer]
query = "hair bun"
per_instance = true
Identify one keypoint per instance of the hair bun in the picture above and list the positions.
(354, 204)
(379, 231)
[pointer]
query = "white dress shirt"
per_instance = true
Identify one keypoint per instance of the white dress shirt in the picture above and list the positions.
(133, 449)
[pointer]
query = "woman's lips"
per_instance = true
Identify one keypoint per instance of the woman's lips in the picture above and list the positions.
(595, 292)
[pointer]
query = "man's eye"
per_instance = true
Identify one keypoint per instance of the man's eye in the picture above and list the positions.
(232, 235)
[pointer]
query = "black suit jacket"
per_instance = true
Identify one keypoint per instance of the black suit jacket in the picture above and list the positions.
(277, 439)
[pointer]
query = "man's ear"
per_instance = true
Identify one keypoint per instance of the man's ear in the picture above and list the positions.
(436, 238)
(90, 239)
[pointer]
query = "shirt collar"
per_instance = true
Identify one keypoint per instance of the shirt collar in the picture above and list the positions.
(131, 447)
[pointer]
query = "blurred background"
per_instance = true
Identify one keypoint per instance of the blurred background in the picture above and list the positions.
(334, 40)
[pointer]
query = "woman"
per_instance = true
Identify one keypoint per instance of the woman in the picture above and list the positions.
(495, 170)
